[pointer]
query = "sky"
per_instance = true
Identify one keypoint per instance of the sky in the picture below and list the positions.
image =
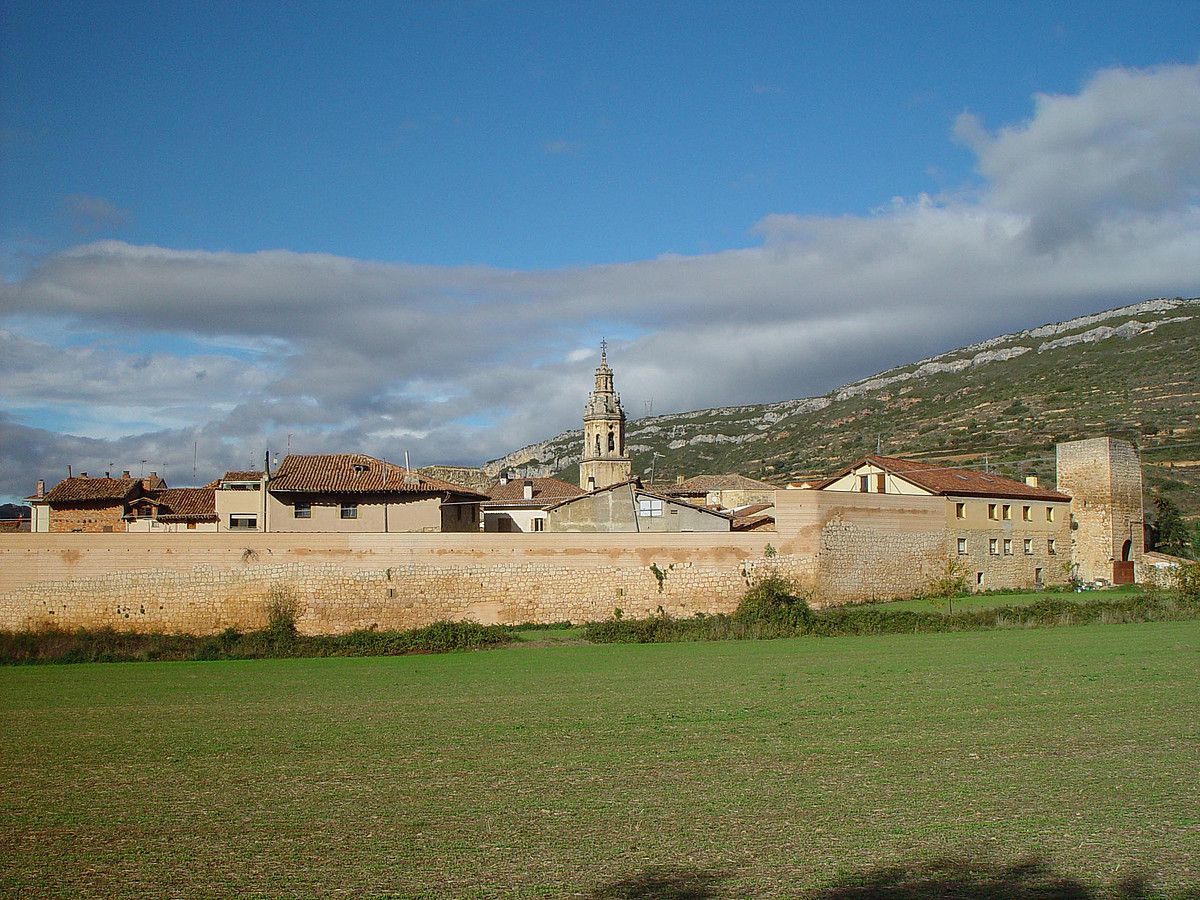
(395, 228)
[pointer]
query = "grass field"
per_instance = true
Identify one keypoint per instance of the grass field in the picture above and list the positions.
(991, 601)
(755, 768)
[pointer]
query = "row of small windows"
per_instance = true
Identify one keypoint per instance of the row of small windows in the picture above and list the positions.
(1003, 512)
(998, 546)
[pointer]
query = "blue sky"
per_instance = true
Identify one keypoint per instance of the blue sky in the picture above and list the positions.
(383, 224)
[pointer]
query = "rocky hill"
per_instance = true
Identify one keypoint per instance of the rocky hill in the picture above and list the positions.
(1132, 372)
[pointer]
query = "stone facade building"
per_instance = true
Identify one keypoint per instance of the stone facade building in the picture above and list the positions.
(1000, 533)
(605, 459)
(82, 504)
(1104, 478)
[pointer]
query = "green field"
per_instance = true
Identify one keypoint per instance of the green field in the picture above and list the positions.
(991, 601)
(770, 768)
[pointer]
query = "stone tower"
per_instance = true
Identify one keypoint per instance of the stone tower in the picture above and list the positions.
(1104, 478)
(604, 460)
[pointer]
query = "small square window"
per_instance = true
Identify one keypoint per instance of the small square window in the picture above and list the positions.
(962, 546)
(302, 511)
(648, 507)
(1007, 547)
(960, 510)
(349, 511)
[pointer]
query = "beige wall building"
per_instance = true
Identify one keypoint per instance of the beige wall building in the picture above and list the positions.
(520, 504)
(1000, 533)
(353, 492)
(1104, 478)
(628, 507)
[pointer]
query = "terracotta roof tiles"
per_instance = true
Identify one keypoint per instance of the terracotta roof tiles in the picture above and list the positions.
(355, 473)
(548, 490)
(946, 481)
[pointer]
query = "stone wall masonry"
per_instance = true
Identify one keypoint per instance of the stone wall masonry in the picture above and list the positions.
(210, 582)
(841, 547)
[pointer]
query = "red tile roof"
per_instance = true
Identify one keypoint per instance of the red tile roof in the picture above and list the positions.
(355, 473)
(242, 476)
(729, 482)
(187, 505)
(545, 490)
(946, 481)
(81, 489)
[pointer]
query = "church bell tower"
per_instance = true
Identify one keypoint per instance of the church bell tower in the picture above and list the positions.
(604, 460)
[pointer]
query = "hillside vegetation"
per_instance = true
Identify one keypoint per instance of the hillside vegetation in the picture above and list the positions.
(1131, 372)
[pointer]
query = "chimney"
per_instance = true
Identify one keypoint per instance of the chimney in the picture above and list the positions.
(504, 478)
(125, 474)
(1031, 480)
(679, 480)
(528, 488)
(108, 474)
(41, 488)
(83, 474)
(591, 483)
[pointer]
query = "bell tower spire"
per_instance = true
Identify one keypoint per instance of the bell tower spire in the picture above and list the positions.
(604, 461)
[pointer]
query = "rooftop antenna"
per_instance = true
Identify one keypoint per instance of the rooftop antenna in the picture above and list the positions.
(143, 472)
(289, 449)
(406, 461)
(603, 350)
(195, 453)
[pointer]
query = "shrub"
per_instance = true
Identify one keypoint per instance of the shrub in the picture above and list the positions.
(774, 601)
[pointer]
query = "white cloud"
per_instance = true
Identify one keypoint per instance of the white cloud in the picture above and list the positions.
(1091, 202)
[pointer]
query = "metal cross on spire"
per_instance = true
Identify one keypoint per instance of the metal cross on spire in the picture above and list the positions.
(603, 349)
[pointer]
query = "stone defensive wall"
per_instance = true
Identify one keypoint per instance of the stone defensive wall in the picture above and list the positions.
(841, 546)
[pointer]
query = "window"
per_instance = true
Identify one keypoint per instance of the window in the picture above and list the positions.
(539, 524)
(360, 469)
(993, 547)
(349, 510)
(1038, 580)
(962, 546)
(648, 507)
(881, 483)
(960, 510)
(191, 526)
(864, 483)
(612, 442)
(1050, 548)
(1029, 546)
(992, 513)
(1049, 513)
(1027, 513)
(1007, 512)
(978, 579)
(242, 522)
(1008, 547)
(302, 511)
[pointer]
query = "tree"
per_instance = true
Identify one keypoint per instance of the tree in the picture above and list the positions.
(1173, 534)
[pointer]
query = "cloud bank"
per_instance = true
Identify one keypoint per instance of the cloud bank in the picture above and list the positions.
(116, 352)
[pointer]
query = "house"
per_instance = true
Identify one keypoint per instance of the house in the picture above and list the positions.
(173, 509)
(722, 491)
(241, 500)
(755, 517)
(520, 504)
(80, 503)
(356, 492)
(1001, 532)
(628, 507)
